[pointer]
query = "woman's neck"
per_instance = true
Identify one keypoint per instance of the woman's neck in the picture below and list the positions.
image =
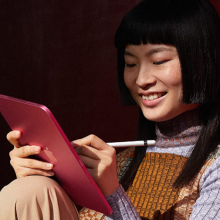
(182, 130)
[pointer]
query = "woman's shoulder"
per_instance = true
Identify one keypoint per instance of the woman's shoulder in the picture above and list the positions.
(212, 165)
(211, 170)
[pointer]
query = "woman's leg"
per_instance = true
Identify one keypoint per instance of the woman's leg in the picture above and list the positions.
(35, 198)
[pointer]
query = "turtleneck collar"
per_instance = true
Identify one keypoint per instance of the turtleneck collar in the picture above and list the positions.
(182, 130)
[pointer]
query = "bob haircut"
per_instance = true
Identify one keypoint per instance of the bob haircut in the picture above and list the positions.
(193, 27)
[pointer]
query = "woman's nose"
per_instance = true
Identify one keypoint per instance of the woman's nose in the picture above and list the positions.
(145, 77)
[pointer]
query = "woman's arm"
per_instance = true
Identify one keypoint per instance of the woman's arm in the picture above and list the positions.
(22, 165)
(122, 207)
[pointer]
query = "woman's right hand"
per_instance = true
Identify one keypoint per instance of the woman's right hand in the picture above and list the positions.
(21, 163)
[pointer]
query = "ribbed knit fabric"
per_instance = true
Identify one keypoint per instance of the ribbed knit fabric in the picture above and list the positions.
(180, 131)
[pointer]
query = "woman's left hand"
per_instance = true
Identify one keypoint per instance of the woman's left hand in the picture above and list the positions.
(100, 160)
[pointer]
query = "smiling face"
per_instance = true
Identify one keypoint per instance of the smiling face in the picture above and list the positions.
(153, 76)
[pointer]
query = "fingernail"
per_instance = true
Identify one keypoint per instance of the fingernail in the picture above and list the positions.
(49, 165)
(37, 149)
(16, 133)
(74, 144)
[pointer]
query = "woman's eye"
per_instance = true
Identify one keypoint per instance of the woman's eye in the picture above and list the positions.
(160, 62)
(130, 65)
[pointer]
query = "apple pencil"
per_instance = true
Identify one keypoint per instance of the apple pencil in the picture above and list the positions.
(132, 143)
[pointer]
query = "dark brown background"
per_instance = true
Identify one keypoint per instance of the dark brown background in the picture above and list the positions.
(61, 54)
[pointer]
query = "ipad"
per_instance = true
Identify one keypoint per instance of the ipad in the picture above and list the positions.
(39, 127)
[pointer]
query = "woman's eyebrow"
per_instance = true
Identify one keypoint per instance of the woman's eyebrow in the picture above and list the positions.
(157, 50)
(150, 52)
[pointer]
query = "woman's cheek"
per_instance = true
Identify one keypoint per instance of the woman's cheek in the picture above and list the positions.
(129, 80)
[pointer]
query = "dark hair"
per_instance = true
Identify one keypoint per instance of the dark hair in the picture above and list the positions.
(193, 27)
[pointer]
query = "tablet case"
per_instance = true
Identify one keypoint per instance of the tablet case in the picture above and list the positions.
(39, 127)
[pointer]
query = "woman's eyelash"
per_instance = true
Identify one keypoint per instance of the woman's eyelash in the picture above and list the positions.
(155, 63)
(130, 65)
(160, 62)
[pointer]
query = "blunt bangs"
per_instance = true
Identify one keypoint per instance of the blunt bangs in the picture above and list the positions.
(193, 27)
(146, 23)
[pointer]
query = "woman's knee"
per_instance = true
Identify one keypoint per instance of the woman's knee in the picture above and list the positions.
(38, 193)
(27, 187)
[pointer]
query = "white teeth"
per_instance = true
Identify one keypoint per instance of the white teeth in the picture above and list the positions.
(152, 96)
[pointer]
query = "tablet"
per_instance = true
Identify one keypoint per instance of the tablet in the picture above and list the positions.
(39, 127)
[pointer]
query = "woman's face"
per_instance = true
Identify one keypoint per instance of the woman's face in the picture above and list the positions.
(153, 75)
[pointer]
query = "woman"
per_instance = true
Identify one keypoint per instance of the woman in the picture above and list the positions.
(168, 64)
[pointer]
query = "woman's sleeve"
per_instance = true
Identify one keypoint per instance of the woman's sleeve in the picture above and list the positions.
(122, 207)
(207, 206)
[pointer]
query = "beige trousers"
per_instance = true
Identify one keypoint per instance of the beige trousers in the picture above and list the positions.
(35, 198)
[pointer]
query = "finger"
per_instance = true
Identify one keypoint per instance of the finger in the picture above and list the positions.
(74, 144)
(13, 137)
(94, 167)
(89, 162)
(25, 151)
(30, 163)
(93, 141)
(88, 151)
(28, 172)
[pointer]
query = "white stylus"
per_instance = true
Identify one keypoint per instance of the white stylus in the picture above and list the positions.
(132, 143)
